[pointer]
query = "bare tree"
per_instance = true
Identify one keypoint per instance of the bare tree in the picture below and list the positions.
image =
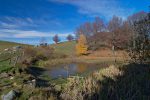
(114, 27)
(136, 17)
(86, 29)
(89, 29)
(56, 39)
(70, 37)
(98, 25)
(116, 35)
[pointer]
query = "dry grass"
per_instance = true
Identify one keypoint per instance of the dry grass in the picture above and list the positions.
(128, 82)
(67, 48)
(79, 88)
(108, 53)
(111, 72)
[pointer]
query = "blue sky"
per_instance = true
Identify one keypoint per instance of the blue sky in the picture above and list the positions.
(27, 21)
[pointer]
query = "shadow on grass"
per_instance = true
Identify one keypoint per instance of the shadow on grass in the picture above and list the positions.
(37, 72)
(134, 84)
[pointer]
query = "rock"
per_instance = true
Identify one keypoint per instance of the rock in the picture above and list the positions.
(31, 83)
(14, 84)
(58, 87)
(11, 77)
(10, 96)
(6, 86)
(4, 75)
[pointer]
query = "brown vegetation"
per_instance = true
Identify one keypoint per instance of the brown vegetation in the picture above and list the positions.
(34, 55)
(116, 32)
(130, 35)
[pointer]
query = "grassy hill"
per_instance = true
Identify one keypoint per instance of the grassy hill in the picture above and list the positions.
(67, 48)
(5, 44)
(4, 65)
(63, 47)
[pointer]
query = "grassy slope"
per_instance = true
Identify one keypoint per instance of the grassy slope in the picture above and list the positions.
(67, 48)
(5, 44)
(4, 65)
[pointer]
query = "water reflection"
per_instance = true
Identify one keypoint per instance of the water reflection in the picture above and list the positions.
(72, 69)
(81, 68)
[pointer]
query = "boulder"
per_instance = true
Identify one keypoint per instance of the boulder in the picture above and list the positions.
(10, 96)
(4, 75)
(30, 83)
(58, 87)
(11, 77)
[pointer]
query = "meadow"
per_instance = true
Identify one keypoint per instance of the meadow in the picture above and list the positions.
(75, 50)
(6, 44)
(119, 80)
(67, 48)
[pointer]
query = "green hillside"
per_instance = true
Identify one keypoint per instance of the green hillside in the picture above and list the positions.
(5, 44)
(67, 48)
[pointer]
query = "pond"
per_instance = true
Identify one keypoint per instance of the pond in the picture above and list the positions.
(66, 70)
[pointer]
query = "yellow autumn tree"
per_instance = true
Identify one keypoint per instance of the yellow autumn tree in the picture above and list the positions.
(81, 46)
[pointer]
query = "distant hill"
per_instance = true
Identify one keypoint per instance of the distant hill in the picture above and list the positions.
(67, 48)
(6, 44)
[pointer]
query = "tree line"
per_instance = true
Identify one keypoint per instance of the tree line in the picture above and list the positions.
(132, 34)
(56, 39)
(116, 32)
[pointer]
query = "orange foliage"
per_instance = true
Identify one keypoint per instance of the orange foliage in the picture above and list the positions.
(81, 47)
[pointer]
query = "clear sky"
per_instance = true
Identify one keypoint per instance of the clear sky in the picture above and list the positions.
(27, 21)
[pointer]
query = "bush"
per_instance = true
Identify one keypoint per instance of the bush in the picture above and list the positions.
(35, 55)
(44, 53)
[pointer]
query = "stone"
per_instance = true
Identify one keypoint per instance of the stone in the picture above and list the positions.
(4, 75)
(58, 87)
(11, 77)
(30, 83)
(10, 96)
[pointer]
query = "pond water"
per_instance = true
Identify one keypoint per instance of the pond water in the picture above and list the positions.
(66, 70)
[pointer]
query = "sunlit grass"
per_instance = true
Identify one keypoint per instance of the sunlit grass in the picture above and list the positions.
(5, 45)
(67, 48)
(5, 66)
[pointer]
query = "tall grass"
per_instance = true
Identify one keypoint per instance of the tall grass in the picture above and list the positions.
(128, 82)
(79, 88)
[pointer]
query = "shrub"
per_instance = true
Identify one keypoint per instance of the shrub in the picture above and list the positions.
(33, 54)
(45, 52)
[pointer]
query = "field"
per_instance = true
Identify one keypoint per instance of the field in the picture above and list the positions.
(4, 65)
(5, 44)
(104, 83)
(67, 48)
